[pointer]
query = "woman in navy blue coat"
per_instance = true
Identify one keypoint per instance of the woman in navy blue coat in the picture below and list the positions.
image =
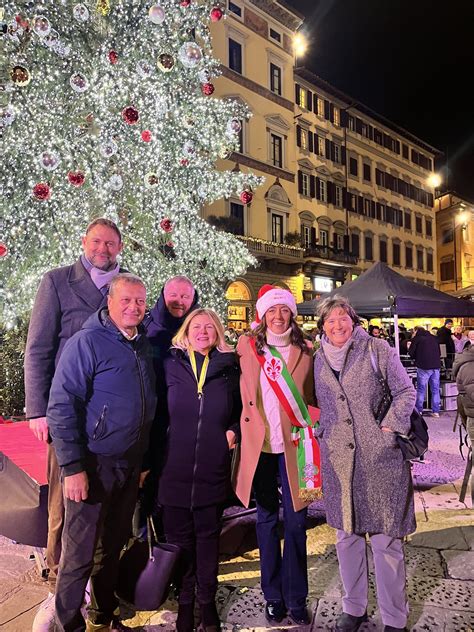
(203, 401)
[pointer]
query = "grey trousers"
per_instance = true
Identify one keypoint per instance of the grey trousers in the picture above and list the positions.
(390, 577)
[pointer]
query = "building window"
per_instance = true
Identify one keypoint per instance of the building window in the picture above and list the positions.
(355, 244)
(429, 261)
(338, 196)
(353, 166)
(407, 220)
(303, 99)
(337, 153)
(320, 107)
(275, 79)
(367, 176)
(323, 237)
(339, 241)
(383, 251)
(275, 35)
(277, 228)
(304, 138)
(408, 256)
(447, 270)
(396, 254)
(321, 146)
(419, 260)
(367, 207)
(429, 227)
(418, 224)
(369, 254)
(306, 236)
(336, 117)
(276, 149)
(447, 235)
(351, 123)
(237, 212)
(235, 8)
(305, 184)
(235, 56)
(322, 190)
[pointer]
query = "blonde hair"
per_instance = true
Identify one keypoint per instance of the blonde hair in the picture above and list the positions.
(181, 340)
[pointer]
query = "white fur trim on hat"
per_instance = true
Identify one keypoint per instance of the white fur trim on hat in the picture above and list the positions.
(277, 296)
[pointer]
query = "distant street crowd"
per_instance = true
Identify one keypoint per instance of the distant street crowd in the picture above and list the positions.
(166, 401)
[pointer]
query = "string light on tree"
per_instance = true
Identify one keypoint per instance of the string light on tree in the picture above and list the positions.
(106, 110)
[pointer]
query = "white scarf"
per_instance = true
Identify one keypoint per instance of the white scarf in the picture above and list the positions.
(336, 356)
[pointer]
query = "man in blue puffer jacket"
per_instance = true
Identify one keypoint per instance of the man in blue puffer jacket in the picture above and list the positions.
(100, 411)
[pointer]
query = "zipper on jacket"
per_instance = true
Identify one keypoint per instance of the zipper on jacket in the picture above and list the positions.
(100, 421)
(142, 392)
(201, 399)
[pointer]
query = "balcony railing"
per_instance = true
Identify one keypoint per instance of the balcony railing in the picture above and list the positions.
(272, 250)
(331, 254)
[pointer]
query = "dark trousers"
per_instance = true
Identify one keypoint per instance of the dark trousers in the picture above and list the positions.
(94, 533)
(284, 578)
(55, 518)
(196, 532)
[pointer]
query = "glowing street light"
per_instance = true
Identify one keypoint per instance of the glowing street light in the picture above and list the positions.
(434, 181)
(300, 45)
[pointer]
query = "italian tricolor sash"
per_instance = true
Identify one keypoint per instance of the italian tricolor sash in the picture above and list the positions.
(308, 455)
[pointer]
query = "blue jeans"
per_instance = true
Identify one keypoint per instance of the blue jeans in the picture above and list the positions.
(283, 579)
(423, 377)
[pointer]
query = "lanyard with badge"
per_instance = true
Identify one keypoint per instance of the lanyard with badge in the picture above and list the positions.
(202, 378)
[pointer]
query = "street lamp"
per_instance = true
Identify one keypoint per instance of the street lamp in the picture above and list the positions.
(300, 46)
(435, 180)
(462, 218)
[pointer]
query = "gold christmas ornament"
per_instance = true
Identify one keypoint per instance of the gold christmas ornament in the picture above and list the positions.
(20, 75)
(103, 7)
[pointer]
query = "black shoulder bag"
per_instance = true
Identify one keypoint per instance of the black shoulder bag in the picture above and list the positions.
(414, 444)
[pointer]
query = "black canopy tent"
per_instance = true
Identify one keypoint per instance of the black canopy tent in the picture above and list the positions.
(380, 291)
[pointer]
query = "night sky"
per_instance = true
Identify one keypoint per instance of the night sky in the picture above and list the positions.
(411, 61)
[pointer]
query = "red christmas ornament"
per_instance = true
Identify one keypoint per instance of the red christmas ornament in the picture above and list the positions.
(130, 115)
(216, 14)
(207, 88)
(3, 250)
(170, 244)
(184, 162)
(185, 3)
(42, 191)
(166, 224)
(113, 57)
(76, 178)
(246, 197)
(146, 136)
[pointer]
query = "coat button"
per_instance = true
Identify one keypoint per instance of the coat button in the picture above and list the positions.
(350, 446)
(349, 422)
(246, 419)
(342, 398)
(250, 403)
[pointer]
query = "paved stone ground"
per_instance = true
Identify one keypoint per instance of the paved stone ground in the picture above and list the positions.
(440, 563)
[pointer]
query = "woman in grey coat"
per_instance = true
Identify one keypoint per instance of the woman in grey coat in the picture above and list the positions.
(367, 485)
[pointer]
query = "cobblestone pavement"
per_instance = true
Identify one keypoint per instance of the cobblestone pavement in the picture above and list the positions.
(440, 563)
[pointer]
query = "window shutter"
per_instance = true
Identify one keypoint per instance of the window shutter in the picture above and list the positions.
(358, 126)
(310, 141)
(312, 186)
(316, 144)
(343, 155)
(297, 93)
(317, 189)
(378, 210)
(300, 181)
(327, 110)
(330, 191)
(315, 103)
(360, 205)
(344, 197)
(333, 152)
(328, 148)
(310, 100)
(331, 112)
(372, 209)
(343, 117)
(313, 236)
(298, 135)
(302, 234)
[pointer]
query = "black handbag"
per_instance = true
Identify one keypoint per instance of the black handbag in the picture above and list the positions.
(146, 571)
(414, 444)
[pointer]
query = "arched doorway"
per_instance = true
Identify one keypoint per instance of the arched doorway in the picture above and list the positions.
(240, 302)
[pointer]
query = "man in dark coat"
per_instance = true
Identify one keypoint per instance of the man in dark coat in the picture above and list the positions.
(424, 349)
(445, 337)
(101, 407)
(66, 298)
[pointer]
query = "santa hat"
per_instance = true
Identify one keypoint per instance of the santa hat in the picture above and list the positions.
(270, 295)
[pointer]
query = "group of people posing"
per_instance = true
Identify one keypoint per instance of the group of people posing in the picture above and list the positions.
(126, 396)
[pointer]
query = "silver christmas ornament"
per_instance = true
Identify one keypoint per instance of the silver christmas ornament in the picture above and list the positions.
(78, 82)
(190, 54)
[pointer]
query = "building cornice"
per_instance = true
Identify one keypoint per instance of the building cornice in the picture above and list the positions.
(281, 12)
(252, 163)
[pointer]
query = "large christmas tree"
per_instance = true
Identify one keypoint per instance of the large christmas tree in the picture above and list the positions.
(106, 110)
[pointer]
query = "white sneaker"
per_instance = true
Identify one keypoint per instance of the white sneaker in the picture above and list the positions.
(44, 619)
(435, 414)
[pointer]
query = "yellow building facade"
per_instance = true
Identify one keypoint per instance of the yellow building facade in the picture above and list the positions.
(343, 186)
(455, 242)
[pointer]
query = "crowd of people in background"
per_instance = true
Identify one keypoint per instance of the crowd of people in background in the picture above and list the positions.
(158, 399)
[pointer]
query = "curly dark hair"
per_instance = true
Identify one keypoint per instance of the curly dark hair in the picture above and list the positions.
(296, 337)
